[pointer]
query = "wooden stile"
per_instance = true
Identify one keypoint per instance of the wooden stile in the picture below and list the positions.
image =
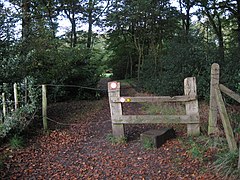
(190, 98)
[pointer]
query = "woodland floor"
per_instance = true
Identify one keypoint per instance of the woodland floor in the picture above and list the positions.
(82, 151)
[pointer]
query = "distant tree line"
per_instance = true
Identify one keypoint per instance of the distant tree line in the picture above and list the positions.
(156, 42)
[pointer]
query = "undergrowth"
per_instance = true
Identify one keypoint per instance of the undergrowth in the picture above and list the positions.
(116, 140)
(147, 143)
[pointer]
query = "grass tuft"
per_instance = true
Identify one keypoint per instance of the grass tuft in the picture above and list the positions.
(147, 143)
(226, 165)
(116, 140)
(16, 142)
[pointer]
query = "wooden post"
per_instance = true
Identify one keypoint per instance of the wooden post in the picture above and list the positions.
(4, 105)
(115, 108)
(212, 119)
(44, 107)
(15, 95)
(225, 120)
(190, 89)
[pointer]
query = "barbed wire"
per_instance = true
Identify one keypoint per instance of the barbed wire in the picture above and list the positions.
(64, 124)
(75, 86)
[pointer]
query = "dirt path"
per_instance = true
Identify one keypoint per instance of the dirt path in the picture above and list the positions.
(81, 150)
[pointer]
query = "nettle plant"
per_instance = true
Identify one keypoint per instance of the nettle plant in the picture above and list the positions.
(16, 120)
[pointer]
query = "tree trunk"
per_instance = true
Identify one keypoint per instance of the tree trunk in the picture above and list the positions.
(90, 23)
(26, 23)
(217, 27)
(188, 7)
(73, 32)
(220, 39)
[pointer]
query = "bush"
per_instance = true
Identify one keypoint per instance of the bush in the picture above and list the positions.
(17, 120)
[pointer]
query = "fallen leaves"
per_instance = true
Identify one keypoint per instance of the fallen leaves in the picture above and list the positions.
(82, 152)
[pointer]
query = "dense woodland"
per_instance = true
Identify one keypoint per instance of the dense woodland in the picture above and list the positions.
(158, 43)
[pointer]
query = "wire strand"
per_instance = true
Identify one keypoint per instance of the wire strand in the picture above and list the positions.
(75, 86)
(64, 124)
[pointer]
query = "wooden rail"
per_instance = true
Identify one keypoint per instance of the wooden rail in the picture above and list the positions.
(190, 99)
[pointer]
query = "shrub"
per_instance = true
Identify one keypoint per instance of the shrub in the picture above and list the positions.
(17, 120)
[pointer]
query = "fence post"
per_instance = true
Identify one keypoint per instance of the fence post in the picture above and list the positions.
(190, 89)
(115, 108)
(4, 105)
(44, 107)
(15, 95)
(212, 119)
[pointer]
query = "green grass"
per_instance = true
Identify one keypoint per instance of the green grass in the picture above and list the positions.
(16, 142)
(164, 108)
(147, 143)
(226, 165)
(116, 140)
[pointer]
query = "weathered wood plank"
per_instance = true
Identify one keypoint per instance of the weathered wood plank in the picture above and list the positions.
(115, 109)
(154, 119)
(212, 119)
(229, 92)
(154, 99)
(190, 89)
(225, 120)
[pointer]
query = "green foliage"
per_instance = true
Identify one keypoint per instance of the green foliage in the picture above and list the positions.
(147, 143)
(181, 59)
(197, 150)
(163, 108)
(17, 120)
(16, 142)
(116, 140)
(226, 165)
(138, 30)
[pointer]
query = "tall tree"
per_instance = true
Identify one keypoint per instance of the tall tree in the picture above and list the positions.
(73, 10)
(147, 24)
(185, 7)
(234, 8)
(214, 15)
